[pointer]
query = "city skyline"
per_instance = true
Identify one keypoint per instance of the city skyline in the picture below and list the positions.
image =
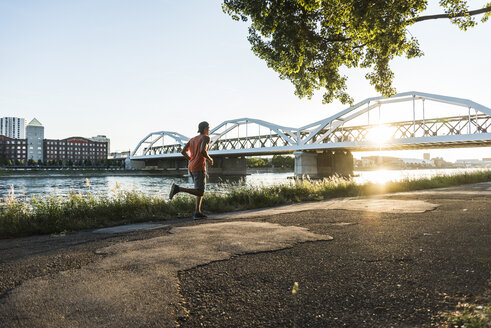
(123, 70)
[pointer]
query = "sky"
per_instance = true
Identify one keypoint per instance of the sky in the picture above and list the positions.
(125, 68)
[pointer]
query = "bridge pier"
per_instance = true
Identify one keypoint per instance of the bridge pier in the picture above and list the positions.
(324, 164)
(228, 166)
(169, 165)
(221, 166)
(131, 164)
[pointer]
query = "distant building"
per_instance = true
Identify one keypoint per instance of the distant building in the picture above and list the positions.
(440, 162)
(101, 138)
(12, 150)
(119, 155)
(119, 158)
(35, 137)
(13, 127)
(468, 163)
(75, 149)
(380, 161)
(415, 162)
(426, 156)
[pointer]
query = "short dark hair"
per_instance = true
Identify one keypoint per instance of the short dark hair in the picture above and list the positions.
(202, 126)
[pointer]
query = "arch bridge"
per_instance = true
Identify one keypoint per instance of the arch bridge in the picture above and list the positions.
(410, 120)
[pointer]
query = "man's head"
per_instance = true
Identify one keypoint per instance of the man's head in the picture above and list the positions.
(204, 128)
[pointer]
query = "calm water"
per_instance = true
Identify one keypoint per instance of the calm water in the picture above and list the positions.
(43, 183)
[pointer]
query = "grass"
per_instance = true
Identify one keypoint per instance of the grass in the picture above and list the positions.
(79, 211)
(469, 316)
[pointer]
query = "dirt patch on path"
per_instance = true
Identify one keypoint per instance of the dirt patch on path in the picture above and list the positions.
(371, 204)
(135, 283)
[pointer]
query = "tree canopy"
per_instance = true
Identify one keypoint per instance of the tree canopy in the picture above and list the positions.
(309, 41)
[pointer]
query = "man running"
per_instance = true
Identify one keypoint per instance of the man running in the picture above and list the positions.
(196, 152)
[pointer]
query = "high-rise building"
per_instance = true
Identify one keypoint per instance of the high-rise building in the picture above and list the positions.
(35, 136)
(13, 127)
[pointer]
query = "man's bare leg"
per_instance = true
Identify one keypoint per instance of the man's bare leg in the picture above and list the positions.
(196, 192)
(198, 204)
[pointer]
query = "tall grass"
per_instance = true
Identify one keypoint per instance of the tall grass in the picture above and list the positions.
(78, 211)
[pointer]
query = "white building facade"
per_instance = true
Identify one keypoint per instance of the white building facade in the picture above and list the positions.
(35, 137)
(13, 127)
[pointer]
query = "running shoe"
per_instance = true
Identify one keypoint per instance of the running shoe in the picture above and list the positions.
(199, 216)
(173, 190)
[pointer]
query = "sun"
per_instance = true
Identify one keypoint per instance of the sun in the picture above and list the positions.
(379, 134)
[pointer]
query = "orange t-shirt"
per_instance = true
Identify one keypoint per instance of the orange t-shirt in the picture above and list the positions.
(198, 161)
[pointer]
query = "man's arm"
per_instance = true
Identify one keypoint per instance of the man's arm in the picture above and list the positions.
(203, 149)
(184, 152)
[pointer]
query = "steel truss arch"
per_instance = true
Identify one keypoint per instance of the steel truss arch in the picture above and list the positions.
(472, 127)
(147, 144)
(278, 136)
(317, 132)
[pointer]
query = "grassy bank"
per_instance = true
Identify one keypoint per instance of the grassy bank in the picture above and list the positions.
(77, 211)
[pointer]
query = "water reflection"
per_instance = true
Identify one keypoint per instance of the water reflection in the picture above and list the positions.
(44, 183)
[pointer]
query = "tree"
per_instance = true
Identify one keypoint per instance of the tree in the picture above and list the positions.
(309, 41)
(255, 162)
(279, 161)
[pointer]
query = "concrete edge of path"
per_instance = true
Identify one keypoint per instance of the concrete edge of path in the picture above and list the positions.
(372, 204)
(131, 228)
(375, 203)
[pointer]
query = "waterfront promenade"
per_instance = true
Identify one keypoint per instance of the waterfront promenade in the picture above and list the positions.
(397, 260)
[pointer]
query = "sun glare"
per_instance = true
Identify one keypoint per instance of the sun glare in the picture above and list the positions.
(379, 134)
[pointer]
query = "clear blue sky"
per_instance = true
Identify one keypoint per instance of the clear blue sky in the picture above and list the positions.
(124, 68)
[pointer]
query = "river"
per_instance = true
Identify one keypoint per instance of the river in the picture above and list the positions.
(62, 182)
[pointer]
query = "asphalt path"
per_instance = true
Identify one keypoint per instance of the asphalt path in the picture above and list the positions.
(397, 260)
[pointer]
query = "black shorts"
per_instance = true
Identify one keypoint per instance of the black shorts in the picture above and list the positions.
(199, 179)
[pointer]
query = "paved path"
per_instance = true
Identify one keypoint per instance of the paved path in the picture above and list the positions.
(391, 260)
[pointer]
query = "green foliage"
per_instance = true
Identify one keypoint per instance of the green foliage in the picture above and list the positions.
(309, 41)
(283, 161)
(255, 162)
(469, 316)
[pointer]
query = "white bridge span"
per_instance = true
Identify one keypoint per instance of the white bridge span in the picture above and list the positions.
(412, 120)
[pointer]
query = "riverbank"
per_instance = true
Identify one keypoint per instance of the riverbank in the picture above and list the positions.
(86, 172)
(79, 211)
